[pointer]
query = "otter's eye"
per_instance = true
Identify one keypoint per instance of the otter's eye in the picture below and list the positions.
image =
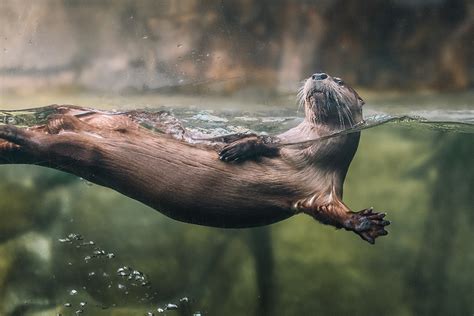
(339, 81)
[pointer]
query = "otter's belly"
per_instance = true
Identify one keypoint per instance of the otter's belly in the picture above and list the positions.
(192, 185)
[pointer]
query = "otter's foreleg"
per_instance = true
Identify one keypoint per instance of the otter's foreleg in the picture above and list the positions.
(367, 224)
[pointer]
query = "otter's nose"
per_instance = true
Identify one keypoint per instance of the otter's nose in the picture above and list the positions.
(320, 76)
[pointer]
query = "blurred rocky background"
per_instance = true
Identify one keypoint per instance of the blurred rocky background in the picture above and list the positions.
(225, 46)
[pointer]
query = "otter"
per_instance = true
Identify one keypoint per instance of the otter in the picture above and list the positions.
(233, 181)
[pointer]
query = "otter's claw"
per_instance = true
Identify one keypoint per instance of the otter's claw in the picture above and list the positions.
(235, 151)
(367, 224)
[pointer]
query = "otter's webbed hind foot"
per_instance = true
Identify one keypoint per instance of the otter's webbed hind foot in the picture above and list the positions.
(367, 224)
(251, 147)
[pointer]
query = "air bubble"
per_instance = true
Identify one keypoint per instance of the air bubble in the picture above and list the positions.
(171, 307)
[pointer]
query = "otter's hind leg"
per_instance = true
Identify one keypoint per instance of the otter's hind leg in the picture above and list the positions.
(367, 224)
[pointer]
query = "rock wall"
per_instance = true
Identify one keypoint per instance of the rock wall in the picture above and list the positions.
(145, 45)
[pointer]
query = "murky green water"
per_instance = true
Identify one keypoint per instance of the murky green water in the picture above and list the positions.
(67, 246)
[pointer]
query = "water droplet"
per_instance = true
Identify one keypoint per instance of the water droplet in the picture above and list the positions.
(87, 258)
(150, 314)
(82, 304)
(160, 310)
(73, 292)
(197, 314)
(145, 37)
(79, 311)
(91, 273)
(184, 300)
(110, 255)
(179, 45)
(121, 287)
(67, 304)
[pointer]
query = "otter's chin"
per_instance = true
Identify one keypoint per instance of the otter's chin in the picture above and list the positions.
(316, 96)
(317, 100)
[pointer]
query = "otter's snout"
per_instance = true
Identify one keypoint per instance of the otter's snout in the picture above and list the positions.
(319, 76)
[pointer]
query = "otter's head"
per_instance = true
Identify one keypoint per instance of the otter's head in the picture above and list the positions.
(330, 101)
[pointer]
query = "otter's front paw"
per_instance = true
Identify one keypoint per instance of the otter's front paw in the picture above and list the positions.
(240, 149)
(367, 224)
(247, 148)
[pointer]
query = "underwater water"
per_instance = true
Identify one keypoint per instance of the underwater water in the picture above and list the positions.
(71, 247)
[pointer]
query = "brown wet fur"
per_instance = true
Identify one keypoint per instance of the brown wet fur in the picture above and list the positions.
(188, 182)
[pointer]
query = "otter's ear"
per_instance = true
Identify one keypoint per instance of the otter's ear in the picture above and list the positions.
(361, 102)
